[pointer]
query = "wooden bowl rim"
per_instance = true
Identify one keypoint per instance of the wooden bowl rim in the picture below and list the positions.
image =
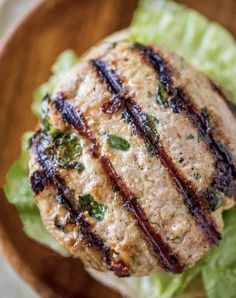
(10, 34)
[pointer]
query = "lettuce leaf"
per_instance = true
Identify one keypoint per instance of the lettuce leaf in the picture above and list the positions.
(165, 285)
(206, 44)
(63, 63)
(17, 188)
(219, 272)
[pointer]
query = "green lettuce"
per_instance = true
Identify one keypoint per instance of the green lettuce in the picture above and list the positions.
(212, 49)
(17, 188)
(219, 271)
(166, 285)
(63, 63)
(205, 44)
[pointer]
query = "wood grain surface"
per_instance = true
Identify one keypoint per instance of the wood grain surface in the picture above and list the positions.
(25, 60)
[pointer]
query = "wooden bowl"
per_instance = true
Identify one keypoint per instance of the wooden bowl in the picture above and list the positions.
(25, 60)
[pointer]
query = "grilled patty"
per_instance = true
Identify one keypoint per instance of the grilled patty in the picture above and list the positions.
(135, 160)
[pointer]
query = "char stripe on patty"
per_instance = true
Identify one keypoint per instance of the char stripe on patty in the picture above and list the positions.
(225, 171)
(65, 195)
(160, 249)
(77, 120)
(38, 181)
(193, 201)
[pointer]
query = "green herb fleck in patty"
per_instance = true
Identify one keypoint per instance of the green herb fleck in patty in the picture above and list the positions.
(214, 198)
(64, 149)
(189, 137)
(162, 96)
(117, 142)
(197, 176)
(95, 209)
(68, 147)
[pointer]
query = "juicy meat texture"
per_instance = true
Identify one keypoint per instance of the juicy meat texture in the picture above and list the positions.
(158, 148)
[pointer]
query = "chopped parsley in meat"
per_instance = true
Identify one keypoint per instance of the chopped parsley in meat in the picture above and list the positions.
(117, 142)
(197, 176)
(64, 148)
(68, 148)
(152, 133)
(162, 96)
(189, 137)
(214, 198)
(87, 203)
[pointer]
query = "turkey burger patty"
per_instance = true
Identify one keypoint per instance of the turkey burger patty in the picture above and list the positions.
(134, 161)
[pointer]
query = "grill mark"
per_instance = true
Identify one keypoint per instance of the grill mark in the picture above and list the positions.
(114, 85)
(160, 249)
(139, 121)
(225, 171)
(38, 181)
(191, 199)
(76, 119)
(65, 197)
(112, 80)
(222, 94)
